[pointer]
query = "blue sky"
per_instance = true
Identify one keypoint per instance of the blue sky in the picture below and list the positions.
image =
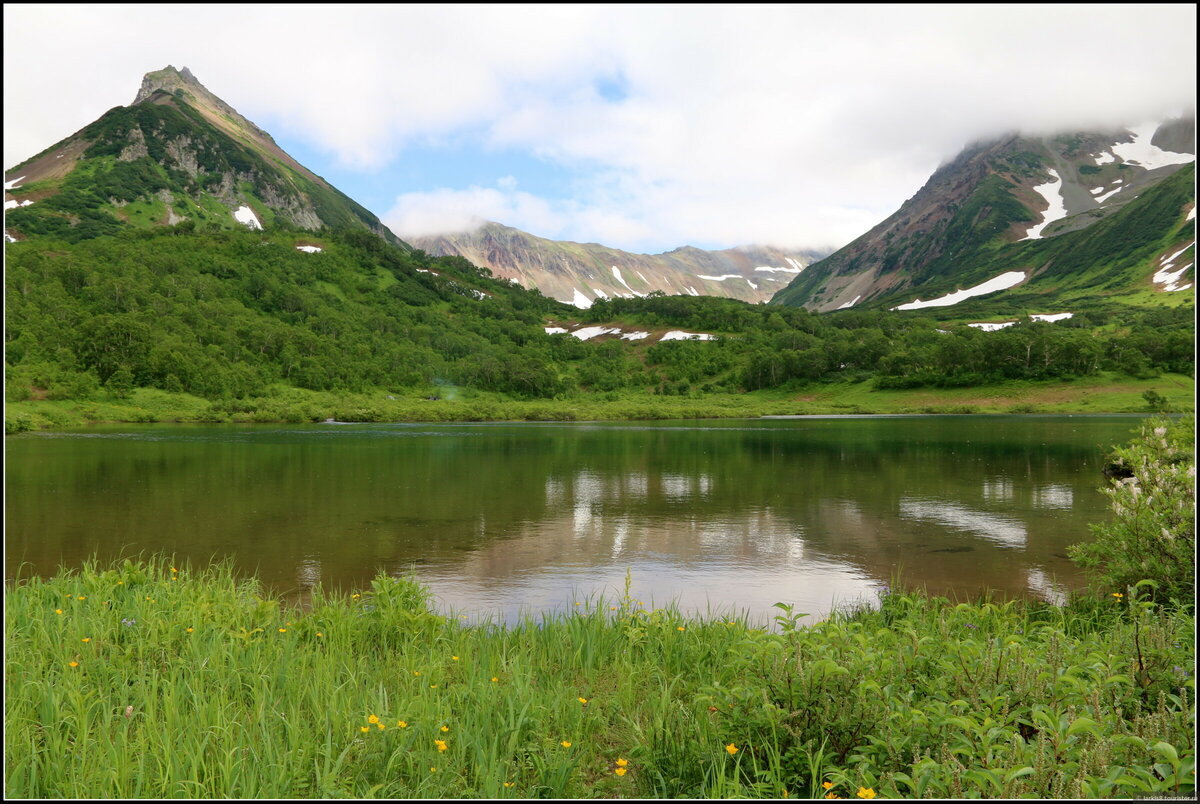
(641, 127)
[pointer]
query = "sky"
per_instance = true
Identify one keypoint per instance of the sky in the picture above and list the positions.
(641, 127)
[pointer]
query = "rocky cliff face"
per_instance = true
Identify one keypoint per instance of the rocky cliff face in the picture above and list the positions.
(579, 273)
(995, 196)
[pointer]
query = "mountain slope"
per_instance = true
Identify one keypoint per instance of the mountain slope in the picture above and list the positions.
(177, 153)
(580, 273)
(1016, 205)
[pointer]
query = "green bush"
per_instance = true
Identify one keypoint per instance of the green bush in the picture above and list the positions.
(1153, 532)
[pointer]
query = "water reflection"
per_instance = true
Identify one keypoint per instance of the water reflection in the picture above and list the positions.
(500, 518)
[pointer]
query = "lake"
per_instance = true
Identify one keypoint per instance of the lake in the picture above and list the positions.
(501, 519)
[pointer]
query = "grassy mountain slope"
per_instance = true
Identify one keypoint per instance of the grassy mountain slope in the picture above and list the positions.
(177, 154)
(1077, 214)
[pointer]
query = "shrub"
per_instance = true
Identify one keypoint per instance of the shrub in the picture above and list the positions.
(1153, 532)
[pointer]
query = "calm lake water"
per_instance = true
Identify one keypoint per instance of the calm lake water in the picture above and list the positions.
(500, 519)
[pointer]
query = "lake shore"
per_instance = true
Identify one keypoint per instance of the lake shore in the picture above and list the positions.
(144, 680)
(1104, 393)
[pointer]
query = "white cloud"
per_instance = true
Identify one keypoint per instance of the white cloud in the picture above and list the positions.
(787, 124)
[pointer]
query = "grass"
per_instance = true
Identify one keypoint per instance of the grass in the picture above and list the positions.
(1106, 393)
(140, 679)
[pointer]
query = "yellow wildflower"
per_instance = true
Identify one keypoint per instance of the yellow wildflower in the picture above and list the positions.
(380, 726)
(58, 611)
(732, 749)
(190, 630)
(827, 785)
(1118, 595)
(87, 639)
(174, 570)
(445, 728)
(622, 762)
(355, 597)
(73, 663)
(433, 770)
(320, 634)
(619, 771)
(372, 718)
(283, 630)
(416, 672)
(454, 658)
(441, 745)
(866, 792)
(565, 743)
(120, 582)
(364, 729)
(583, 700)
(494, 679)
(832, 795)
(402, 724)
(433, 686)
(81, 597)
(680, 628)
(508, 784)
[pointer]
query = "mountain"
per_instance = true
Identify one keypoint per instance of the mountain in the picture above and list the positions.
(177, 153)
(1054, 219)
(579, 273)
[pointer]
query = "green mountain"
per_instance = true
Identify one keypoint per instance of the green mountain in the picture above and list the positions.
(177, 155)
(1029, 225)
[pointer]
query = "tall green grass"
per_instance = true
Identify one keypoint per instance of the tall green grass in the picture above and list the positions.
(141, 679)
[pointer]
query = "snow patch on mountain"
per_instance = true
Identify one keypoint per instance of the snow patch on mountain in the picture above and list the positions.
(851, 303)
(1104, 158)
(621, 279)
(1170, 277)
(554, 330)
(580, 300)
(1100, 199)
(1002, 282)
(783, 270)
(14, 203)
(309, 249)
(1057, 209)
(1051, 316)
(720, 278)
(799, 266)
(12, 185)
(1142, 152)
(987, 327)
(635, 336)
(245, 215)
(679, 335)
(591, 332)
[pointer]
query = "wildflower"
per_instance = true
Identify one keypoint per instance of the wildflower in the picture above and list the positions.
(364, 729)
(680, 628)
(441, 745)
(372, 718)
(445, 728)
(380, 726)
(58, 611)
(494, 679)
(583, 700)
(174, 570)
(454, 658)
(355, 597)
(732, 749)
(972, 625)
(87, 639)
(508, 784)
(612, 608)
(129, 711)
(190, 630)
(832, 795)
(283, 630)
(416, 672)
(320, 634)
(619, 771)
(402, 724)
(577, 603)
(81, 597)
(130, 622)
(827, 785)
(433, 686)
(622, 762)
(866, 792)
(73, 664)
(1118, 595)
(433, 770)
(565, 743)
(120, 583)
